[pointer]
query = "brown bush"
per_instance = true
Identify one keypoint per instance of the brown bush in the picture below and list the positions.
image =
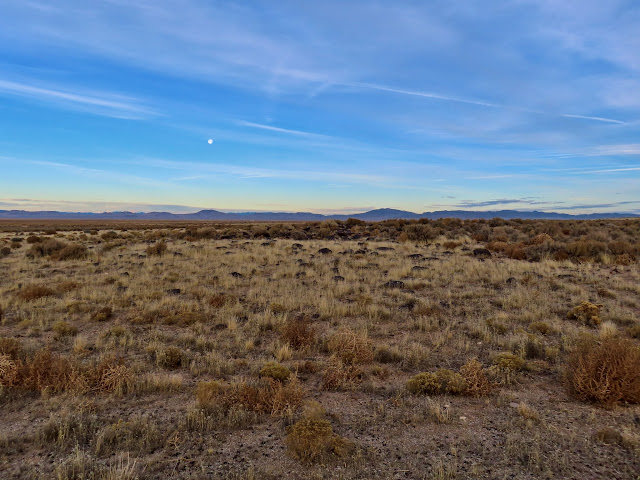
(45, 248)
(351, 347)
(477, 383)
(10, 347)
(73, 251)
(112, 375)
(158, 249)
(47, 372)
(340, 375)
(268, 397)
(34, 292)
(606, 372)
(9, 371)
(298, 333)
(541, 238)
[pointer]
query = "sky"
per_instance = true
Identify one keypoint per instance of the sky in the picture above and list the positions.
(330, 107)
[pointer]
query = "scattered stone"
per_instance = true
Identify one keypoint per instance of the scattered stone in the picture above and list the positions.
(338, 278)
(481, 253)
(301, 274)
(512, 281)
(385, 249)
(418, 267)
(394, 284)
(415, 256)
(173, 291)
(325, 251)
(236, 275)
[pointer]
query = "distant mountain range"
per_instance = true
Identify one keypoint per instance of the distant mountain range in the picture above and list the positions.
(371, 216)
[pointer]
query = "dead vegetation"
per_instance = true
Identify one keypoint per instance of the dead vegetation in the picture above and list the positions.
(356, 347)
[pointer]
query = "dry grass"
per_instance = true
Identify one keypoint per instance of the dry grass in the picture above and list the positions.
(120, 341)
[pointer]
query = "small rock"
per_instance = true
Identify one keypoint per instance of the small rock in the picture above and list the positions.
(481, 253)
(236, 275)
(325, 251)
(173, 291)
(394, 284)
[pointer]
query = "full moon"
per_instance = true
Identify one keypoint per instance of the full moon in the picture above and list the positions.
(210, 141)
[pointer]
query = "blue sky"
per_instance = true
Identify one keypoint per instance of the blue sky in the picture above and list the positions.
(333, 106)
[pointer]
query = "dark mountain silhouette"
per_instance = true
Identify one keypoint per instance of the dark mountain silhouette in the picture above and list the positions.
(371, 216)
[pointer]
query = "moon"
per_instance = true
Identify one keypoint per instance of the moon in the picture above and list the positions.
(210, 141)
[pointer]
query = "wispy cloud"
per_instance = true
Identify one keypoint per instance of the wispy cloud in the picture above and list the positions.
(481, 103)
(599, 205)
(384, 88)
(601, 151)
(100, 103)
(99, 173)
(503, 201)
(282, 130)
(211, 170)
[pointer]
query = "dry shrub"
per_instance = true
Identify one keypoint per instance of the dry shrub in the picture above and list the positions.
(541, 238)
(541, 327)
(516, 252)
(276, 371)
(67, 286)
(477, 383)
(138, 434)
(73, 251)
(64, 329)
(351, 347)
(102, 315)
(46, 248)
(12, 347)
(171, 357)
(298, 333)
(266, 397)
(218, 300)
(340, 375)
(34, 292)
(625, 259)
(497, 246)
(587, 312)
(506, 367)
(158, 249)
(9, 371)
(606, 372)
(112, 375)
(312, 439)
(440, 382)
(47, 372)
